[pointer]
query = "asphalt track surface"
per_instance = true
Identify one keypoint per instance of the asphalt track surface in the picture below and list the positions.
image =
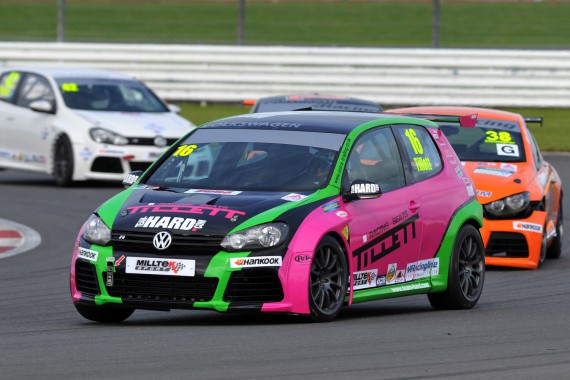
(519, 329)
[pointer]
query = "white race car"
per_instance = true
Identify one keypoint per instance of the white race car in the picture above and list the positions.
(79, 124)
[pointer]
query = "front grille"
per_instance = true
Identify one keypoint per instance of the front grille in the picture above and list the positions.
(506, 244)
(107, 165)
(254, 286)
(86, 278)
(148, 141)
(159, 288)
(136, 165)
(141, 242)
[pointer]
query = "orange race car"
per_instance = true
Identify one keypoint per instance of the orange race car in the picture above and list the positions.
(520, 192)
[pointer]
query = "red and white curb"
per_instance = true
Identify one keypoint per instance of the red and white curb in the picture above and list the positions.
(16, 238)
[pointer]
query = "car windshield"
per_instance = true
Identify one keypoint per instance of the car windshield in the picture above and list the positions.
(95, 94)
(252, 160)
(490, 140)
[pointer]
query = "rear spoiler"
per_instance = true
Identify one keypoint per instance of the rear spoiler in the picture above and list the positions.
(467, 121)
(537, 120)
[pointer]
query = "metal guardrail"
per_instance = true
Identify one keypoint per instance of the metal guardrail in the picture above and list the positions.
(390, 76)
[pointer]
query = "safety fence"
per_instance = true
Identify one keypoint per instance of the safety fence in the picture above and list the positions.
(390, 76)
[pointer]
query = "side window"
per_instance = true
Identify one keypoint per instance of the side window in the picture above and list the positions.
(424, 157)
(8, 84)
(535, 151)
(375, 157)
(34, 87)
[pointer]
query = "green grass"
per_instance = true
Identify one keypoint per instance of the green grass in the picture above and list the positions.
(552, 136)
(535, 24)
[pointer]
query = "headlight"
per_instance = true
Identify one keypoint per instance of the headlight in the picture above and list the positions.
(509, 206)
(258, 237)
(96, 232)
(103, 136)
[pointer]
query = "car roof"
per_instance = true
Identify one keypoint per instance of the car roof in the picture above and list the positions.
(309, 121)
(71, 72)
(329, 102)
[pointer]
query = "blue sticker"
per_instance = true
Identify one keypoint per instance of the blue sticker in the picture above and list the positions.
(330, 207)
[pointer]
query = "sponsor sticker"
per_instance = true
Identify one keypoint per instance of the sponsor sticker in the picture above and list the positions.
(365, 279)
(400, 276)
(88, 254)
(302, 258)
(483, 193)
(391, 274)
(524, 226)
(252, 262)
(425, 268)
(160, 266)
(381, 280)
(410, 271)
(510, 167)
(214, 192)
(330, 207)
(174, 223)
(341, 214)
(507, 150)
(495, 172)
(404, 288)
(293, 197)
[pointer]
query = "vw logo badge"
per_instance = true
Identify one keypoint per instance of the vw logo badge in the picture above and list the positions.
(162, 240)
(159, 141)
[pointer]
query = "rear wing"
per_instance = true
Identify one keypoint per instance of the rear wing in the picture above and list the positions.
(537, 120)
(467, 121)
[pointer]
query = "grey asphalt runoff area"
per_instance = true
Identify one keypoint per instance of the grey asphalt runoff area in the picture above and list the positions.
(519, 329)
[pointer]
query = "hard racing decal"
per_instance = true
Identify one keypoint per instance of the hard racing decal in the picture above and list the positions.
(160, 266)
(387, 242)
(253, 262)
(184, 224)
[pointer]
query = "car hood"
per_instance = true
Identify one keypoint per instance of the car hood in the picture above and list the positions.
(139, 124)
(496, 180)
(215, 214)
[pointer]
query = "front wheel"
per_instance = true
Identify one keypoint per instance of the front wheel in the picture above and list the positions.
(466, 272)
(63, 161)
(104, 314)
(555, 249)
(328, 280)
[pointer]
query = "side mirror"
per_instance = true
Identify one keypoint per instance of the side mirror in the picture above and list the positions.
(362, 189)
(41, 106)
(174, 108)
(131, 178)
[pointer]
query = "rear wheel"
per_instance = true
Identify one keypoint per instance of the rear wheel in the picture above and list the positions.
(466, 272)
(328, 280)
(63, 161)
(555, 249)
(104, 314)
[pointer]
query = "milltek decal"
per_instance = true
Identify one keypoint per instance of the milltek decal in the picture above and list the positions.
(365, 279)
(184, 209)
(386, 243)
(164, 267)
(330, 207)
(251, 262)
(184, 224)
(523, 226)
(88, 254)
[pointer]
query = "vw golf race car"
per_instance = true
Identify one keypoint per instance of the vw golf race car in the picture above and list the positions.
(520, 191)
(79, 124)
(300, 212)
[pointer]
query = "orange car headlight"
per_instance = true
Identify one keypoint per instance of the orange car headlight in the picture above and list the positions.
(509, 206)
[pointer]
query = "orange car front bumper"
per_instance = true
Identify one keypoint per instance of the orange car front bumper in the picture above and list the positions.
(514, 242)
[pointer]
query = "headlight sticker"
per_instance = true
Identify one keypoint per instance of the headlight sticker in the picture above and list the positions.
(88, 254)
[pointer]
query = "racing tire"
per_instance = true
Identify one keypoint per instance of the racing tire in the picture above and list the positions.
(328, 280)
(63, 162)
(466, 272)
(103, 314)
(555, 249)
